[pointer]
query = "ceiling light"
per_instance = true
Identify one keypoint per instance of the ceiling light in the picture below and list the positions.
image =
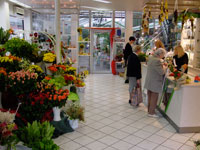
(19, 3)
(103, 1)
(93, 8)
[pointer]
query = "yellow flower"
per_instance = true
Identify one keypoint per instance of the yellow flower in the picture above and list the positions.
(36, 68)
(49, 57)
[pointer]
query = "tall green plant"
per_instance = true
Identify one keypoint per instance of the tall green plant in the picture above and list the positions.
(4, 35)
(38, 136)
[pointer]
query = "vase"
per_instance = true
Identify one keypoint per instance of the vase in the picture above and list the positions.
(48, 72)
(66, 87)
(56, 114)
(80, 92)
(74, 123)
(3, 147)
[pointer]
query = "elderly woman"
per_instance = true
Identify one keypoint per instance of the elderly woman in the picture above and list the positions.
(154, 80)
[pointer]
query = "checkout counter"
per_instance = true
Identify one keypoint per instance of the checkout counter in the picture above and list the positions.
(182, 109)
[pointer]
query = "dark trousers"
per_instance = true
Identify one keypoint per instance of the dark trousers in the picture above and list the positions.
(152, 101)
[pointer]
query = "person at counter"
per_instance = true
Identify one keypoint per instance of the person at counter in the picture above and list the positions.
(180, 59)
(154, 80)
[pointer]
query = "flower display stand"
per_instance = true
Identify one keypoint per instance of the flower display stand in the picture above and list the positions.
(56, 114)
(73, 123)
(80, 92)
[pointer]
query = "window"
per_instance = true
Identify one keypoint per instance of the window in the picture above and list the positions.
(102, 18)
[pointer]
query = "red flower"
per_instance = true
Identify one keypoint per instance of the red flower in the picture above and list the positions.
(35, 34)
(31, 35)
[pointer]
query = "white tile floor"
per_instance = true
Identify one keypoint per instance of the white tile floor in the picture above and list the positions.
(112, 124)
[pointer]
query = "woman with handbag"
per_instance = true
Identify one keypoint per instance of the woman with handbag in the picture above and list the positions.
(154, 80)
(134, 74)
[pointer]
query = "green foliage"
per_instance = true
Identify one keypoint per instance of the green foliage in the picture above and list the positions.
(73, 97)
(38, 136)
(142, 57)
(75, 111)
(19, 47)
(58, 81)
(4, 36)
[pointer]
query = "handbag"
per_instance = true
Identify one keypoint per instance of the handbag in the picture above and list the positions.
(137, 96)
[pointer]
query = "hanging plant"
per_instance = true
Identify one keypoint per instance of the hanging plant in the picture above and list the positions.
(176, 17)
(166, 10)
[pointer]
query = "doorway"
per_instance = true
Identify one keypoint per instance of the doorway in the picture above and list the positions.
(101, 52)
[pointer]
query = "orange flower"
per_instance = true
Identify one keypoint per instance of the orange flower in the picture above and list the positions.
(47, 78)
(55, 97)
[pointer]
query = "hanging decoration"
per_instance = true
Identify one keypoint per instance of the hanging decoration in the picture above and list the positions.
(145, 20)
(166, 10)
(163, 11)
(176, 17)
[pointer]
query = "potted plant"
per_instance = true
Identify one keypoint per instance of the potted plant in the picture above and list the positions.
(69, 80)
(58, 82)
(57, 99)
(4, 35)
(38, 136)
(8, 138)
(22, 82)
(19, 47)
(80, 88)
(10, 63)
(75, 113)
(49, 58)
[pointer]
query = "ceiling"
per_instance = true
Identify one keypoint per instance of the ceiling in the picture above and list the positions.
(182, 5)
(72, 6)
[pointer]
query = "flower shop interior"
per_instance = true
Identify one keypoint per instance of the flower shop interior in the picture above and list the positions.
(63, 72)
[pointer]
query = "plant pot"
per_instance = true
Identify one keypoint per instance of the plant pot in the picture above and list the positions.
(66, 87)
(73, 123)
(3, 147)
(56, 114)
(48, 72)
(80, 92)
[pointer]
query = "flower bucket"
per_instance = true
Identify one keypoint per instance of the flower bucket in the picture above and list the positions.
(73, 123)
(39, 64)
(80, 92)
(56, 114)
(66, 87)
(3, 147)
(46, 67)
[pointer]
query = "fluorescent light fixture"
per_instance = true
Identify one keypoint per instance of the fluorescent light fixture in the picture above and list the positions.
(103, 1)
(95, 8)
(19, 3)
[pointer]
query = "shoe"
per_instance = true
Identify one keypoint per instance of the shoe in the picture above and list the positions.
(153, 116)
(129, 101)
(126, 81)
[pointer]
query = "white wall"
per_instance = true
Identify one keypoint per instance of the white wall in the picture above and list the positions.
(28, 20)
(4, 13)
(129, 25)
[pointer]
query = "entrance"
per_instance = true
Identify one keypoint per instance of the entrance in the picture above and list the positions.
(101, 51)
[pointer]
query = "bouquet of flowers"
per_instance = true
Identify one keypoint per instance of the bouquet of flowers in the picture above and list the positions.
(11, 63)
(58, 98)
(22, 82)
(35, 68)
(3, 76)
(79, 83)
(75, 111)
(174, 72)
(57, 69)
(69, 79)
(7, 127)
(70, 70)
(58, 82)
(49, 57)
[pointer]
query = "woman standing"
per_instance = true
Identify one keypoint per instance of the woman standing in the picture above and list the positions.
(154, 80)
(134, 72)
(181, 59)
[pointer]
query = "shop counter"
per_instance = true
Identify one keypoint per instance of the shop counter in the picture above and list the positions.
(179, 104)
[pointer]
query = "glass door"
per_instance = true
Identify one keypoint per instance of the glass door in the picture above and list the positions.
(101, 51)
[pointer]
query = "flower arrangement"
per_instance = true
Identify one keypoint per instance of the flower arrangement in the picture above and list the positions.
(70, 70)
(34, 107)
(11, 63)
(57, 69)
(82, 46)
(69, 79)
(174, 72)
(79, 83)
(75, 111)
(58, 98)
(58, 82)
(19, 47)
(49, 57)
(7, 127)
(119, 57)
(22, 81)
(3, 76)
(35, 68)
(5, 35)
(79, 30)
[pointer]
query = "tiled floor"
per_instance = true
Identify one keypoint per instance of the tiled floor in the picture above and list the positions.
(112, 124)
